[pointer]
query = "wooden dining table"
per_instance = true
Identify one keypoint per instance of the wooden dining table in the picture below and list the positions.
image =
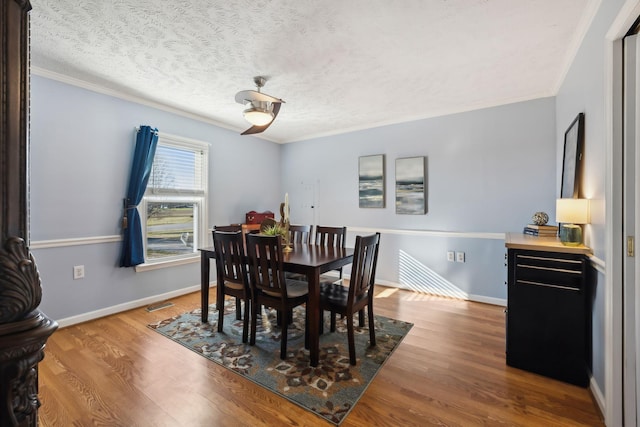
(308, 259)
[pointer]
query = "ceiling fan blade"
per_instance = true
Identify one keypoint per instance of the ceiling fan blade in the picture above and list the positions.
(258, 129)
(245, 96)
(275, 110)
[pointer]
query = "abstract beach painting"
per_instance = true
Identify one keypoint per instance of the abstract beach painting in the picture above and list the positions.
(411, 194)
(371, 181)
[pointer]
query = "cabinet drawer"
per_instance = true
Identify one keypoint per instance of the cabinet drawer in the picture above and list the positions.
(551, 261)
(552, 270)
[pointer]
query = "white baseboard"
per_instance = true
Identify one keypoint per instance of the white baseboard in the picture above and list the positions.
(598, 396)
(488, 300)
(107, 311)
(468, 297)
(92, 315)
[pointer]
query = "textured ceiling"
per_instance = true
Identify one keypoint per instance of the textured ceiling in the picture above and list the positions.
(339, 65)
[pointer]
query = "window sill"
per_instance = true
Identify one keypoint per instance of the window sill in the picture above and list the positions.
(164, 264)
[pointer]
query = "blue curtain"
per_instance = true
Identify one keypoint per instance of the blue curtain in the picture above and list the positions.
(132, 247)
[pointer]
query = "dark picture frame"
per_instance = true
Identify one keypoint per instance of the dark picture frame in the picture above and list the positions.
(572, 158)
(411, 185)
(371, 181)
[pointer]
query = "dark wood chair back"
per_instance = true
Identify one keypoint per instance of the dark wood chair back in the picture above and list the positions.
(331, 236)
(265, 265)
(270, 287)
(226, 228)
(348, 300)
(232, 278)
(300, 233)
(229, 251)
(363, 268)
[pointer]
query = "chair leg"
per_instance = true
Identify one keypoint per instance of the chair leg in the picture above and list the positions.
(245, 322)
(238, 309)
(306, 329)
(361, 318)
(220, 307)
(372, 326)
(254, 321)
(350, 337)
(321, 323)
(283, 335)
(333, 321)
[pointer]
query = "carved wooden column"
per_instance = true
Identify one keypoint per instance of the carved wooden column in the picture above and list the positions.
(24, 330)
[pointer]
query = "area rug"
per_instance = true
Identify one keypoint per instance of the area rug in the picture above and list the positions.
(330, 390)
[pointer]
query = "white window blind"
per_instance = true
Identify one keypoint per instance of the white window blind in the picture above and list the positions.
(177, 170)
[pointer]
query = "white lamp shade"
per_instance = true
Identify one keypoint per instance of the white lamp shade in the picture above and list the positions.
(258, 116)
(572, 211)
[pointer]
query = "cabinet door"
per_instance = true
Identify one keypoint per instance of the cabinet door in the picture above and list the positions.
(546, 317)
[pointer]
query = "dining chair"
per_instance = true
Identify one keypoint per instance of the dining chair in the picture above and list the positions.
(232, 276)
(331, 237)
(270, 288)
(300, 233)
(227, 228)
(347, 300)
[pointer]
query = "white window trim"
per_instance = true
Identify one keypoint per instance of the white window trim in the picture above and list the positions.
(166, 263)
(201, 201)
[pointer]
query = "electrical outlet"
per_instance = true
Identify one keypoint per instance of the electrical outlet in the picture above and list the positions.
(459, 256)
(451, 256)
(78, 272)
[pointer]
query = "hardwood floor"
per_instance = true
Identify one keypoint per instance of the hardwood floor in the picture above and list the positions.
(449, 370)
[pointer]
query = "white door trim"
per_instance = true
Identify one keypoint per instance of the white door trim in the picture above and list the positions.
(631, 150)
(613, 208)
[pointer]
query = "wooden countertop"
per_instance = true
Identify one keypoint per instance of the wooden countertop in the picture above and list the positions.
(549, 244)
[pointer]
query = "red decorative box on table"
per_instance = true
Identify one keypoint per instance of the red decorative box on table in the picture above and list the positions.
(254, 217)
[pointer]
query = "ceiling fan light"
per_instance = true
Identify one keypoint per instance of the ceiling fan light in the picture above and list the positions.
(258, 116)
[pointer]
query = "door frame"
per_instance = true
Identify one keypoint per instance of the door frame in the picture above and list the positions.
(613, 212)
(631, 150)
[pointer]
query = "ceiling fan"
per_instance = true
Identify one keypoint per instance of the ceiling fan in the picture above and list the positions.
(261, 110)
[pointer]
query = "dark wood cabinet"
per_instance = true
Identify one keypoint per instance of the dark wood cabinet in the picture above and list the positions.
(24, 329)
(549, 308)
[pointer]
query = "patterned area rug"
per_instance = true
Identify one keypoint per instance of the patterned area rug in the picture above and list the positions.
(330, 390)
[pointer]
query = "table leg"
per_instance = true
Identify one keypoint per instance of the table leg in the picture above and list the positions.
(313, 310)
(204, 285)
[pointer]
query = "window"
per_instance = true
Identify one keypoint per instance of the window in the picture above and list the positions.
(173, 209)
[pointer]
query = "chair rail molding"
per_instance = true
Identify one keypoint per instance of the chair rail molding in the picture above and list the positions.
(429, 233)
(75, 241)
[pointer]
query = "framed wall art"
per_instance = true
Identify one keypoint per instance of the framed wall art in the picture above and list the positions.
(411, 188)
(371, 181)
(572, 158)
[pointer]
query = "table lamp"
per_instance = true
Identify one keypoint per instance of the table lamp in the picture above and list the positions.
(570, 213)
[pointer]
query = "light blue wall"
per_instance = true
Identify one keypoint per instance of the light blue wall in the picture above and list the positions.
(583, 91)
(81, 150)
(489, 170)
